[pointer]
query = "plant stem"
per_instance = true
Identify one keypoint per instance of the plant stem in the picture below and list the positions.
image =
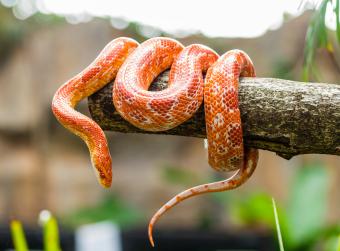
(277, 223)
(18, 236)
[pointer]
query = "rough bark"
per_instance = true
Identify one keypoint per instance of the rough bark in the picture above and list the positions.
(282, 116)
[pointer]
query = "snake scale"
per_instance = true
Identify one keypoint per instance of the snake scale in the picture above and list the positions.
(133, 67)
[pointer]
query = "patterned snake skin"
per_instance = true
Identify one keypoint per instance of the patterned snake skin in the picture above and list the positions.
(134, 67)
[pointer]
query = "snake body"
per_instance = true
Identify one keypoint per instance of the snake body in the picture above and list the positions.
(134, 67)
(100, 72)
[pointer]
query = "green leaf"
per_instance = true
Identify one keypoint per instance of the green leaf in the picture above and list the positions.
(316, 37)
(51, 235)
(18, 236)
(277, 223)
(332, 243)
(307, 205)
(337, 15)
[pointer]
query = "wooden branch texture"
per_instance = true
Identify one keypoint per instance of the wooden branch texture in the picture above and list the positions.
(282, 116)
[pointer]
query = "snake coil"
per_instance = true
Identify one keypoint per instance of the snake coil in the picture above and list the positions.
(134, 67)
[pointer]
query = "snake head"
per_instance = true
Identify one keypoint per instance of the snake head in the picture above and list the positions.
(102, 161)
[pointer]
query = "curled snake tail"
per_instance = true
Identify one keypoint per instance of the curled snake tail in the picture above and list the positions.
(150, 236)
(241, 176)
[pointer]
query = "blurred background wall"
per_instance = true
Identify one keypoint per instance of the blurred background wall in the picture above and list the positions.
(43, 166)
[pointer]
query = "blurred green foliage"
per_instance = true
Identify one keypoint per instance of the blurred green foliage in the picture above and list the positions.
(302, 218)
(283, 69)
(179, 176)
(18, 236)
(317, 37)
(307, 204)
(109, 209)
(50, 235)
(13, 31)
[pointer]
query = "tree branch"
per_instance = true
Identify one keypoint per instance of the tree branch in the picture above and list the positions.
(282, 116)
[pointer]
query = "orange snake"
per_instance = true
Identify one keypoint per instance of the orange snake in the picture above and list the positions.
(134, 67)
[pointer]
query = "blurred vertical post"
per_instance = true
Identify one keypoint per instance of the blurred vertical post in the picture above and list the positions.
(50, 231)
(18, 236)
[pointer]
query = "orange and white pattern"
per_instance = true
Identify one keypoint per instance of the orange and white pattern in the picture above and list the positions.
(134, 67)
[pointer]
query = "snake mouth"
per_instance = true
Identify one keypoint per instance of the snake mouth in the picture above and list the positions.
(106, 183)
(105, 180)
(102, 166)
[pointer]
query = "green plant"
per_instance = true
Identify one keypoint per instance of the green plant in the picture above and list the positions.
(307, 205)
(111, 208)
(317, 37)
(302, 219)
(18, 236)
(277, 224)
(50, 233)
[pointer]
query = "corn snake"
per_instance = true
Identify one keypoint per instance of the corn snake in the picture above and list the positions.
(133, 67)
